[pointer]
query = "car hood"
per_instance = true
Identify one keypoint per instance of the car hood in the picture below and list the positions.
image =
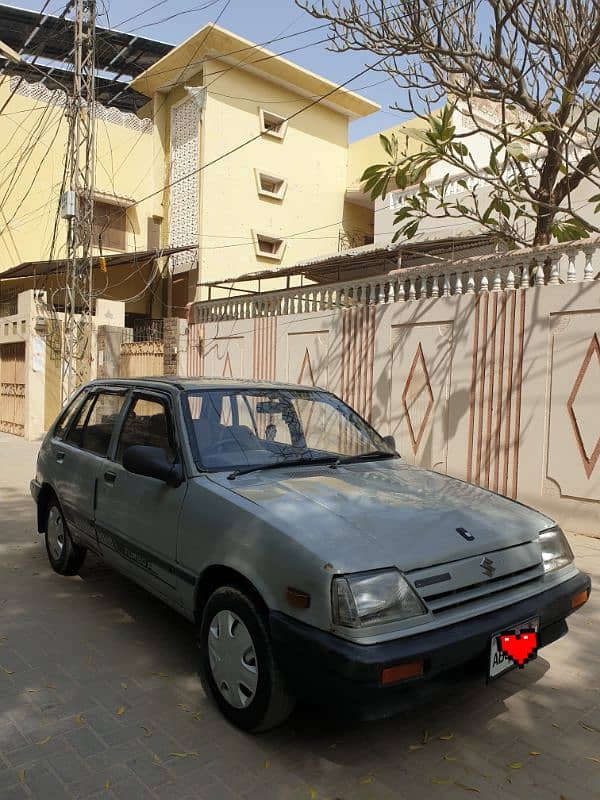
(367, 515)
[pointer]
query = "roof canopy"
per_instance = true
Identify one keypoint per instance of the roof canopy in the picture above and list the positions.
(49, 37)
(371, 259)
(185, 60)
(29, 269)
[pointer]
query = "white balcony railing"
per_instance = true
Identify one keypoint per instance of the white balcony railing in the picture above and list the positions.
(534, 267)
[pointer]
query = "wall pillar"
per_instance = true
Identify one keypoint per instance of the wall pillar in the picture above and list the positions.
(175, 346)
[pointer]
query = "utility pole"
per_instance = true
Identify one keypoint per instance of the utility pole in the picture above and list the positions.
(77, 203)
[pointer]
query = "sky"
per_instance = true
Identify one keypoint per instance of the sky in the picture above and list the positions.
(259, 21)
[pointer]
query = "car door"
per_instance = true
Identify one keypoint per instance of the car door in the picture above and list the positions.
(136, 516)
(78, 448)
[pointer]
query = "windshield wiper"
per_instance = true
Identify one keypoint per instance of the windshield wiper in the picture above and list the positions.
(362, 457)
(296, 462)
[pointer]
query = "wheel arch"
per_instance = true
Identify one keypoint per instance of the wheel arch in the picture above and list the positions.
(47, 494)
(218, 575)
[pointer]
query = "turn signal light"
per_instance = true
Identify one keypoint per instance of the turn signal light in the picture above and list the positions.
(297, 598)
(579, 599)
(401, 672)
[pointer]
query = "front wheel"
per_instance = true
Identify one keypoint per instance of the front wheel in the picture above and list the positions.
(237, 666)
(64, 555)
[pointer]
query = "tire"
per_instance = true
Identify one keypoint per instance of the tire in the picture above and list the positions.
(237, 666)
(64, 555)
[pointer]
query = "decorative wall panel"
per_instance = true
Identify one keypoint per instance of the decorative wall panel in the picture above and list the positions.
(574, 419)
(495, 395)
(183, 194)
(420, 376)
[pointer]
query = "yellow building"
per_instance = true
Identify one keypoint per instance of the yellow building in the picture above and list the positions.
(232, 149)
(256, 152)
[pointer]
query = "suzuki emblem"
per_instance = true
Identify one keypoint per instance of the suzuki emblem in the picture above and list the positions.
(487, 566)
(465, 534)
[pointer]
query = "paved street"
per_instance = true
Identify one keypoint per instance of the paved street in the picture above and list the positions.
(99, 699)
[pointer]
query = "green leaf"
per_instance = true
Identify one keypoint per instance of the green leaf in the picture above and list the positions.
(410, 229)
(386, 144)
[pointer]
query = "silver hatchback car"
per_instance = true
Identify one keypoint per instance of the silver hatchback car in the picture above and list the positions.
(313, 560)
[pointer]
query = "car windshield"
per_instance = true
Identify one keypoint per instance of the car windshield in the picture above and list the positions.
(238, 428)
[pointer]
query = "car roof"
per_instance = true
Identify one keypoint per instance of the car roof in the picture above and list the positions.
(189, 384)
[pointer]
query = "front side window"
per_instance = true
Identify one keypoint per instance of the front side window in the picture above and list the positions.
(93, 427)
(147, 423)
(237, 428)
(68, 415)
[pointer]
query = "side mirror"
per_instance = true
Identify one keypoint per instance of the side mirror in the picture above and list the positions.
(391, 442)
(153, 463)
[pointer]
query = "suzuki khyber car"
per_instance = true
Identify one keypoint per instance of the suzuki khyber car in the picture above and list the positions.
(313, 560)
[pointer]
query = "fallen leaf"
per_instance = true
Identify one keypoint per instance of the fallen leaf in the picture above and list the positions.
(124, 686)
(514, 765)
(448, 758)
(184, 755)
(441, 781)
(198, 715)
(32, 691)
(50, 686)
(107, 784)
(21, 776)
(593, 758)
(589, 728)
(45, 740)
(120, 711)
(425, 738)
(267, 764)
(446, 737)
(183, 707)
(467, 788)
(157, 759)
(7, 671)
(415, 746)
(366, 779)
(147, 731)
(161, 674)
(313, 794)
(80, 719)
(555, 725)
(89, 660)
(534, 753)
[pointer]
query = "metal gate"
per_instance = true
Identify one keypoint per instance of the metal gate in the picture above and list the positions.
(12, 388)
(141, 359)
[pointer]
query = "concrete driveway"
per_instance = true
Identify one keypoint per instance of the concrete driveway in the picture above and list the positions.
(99, 698)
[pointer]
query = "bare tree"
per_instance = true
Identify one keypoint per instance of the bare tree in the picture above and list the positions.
(531, 66)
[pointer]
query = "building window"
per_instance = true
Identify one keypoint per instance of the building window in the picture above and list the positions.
(268, 246)
(110, 226)
(270, 185)
(272, 124)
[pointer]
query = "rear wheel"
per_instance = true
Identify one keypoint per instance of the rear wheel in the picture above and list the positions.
(237, 666)
(64, 555)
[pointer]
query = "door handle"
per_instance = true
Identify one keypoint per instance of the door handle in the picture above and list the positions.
(60, 456)
(110, 477)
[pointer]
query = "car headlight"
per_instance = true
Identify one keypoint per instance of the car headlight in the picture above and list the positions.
(372, 598)
(556, 551)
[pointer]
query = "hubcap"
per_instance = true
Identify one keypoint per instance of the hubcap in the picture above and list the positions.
(56, 533)
(232, 659)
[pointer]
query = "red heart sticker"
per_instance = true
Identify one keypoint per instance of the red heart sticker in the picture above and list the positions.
(521, 647)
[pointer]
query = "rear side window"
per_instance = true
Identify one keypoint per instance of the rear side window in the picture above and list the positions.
(92, 430)
(147, 423)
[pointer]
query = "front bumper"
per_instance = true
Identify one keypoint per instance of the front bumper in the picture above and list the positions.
(317, 663)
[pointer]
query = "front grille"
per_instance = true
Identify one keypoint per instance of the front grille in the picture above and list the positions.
(444, 601)
(465, 584)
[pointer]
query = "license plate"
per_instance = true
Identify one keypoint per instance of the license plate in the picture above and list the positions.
(500, 662)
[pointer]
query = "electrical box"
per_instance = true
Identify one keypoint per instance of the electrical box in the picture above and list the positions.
(68, 205)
